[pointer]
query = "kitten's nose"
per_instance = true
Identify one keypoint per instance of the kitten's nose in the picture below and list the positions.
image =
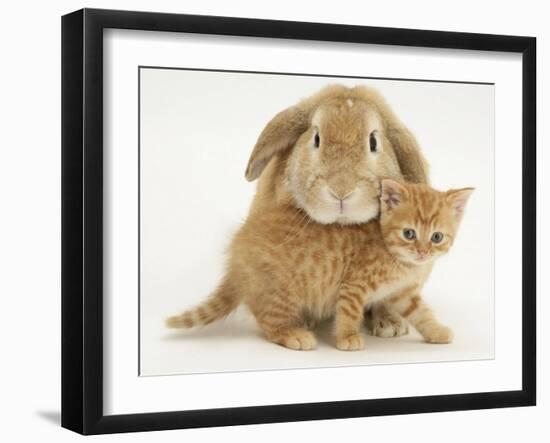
(423, 253)
(421, 258)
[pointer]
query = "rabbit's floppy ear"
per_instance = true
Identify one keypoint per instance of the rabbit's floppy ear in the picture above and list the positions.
(279, 135)
(412, 164)
(411, 161)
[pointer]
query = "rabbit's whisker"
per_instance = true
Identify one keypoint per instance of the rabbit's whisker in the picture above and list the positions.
(296, 233)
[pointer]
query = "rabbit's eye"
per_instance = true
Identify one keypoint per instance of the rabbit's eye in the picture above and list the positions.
(316, 140)
(373, 144)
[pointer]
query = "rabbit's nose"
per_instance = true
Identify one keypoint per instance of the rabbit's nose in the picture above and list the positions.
(341, 196)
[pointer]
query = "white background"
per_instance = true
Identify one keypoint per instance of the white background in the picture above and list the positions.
(30, 184)
(197, 131)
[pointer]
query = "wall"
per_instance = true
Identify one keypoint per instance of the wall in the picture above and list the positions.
(30, 222)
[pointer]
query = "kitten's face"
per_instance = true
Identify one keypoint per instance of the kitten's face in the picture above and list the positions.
(419, 223)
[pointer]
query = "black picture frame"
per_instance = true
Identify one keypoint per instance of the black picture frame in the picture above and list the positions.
(82, 220)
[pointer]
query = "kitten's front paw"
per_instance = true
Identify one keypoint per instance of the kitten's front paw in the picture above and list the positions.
(353, 342)
(439, 334)
(390, 324)
(300, 340)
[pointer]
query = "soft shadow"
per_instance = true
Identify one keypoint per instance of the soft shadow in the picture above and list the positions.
(324, 332)
(211, 332)
(54, 417)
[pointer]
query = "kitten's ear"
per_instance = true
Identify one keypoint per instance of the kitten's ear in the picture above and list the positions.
(457, 199)
(392, 193)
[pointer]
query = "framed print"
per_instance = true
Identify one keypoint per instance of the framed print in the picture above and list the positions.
(269, 221)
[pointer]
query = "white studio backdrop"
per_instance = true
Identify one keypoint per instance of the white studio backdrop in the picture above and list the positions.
(30, 183)
(197, 131)
(126, 392)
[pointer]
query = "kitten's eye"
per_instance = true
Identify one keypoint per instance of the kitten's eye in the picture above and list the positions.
(437, 237)
(373, 144)
(316, 140)
(409, 234)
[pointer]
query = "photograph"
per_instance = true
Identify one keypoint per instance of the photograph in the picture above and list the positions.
(295, 221)
(273, 221)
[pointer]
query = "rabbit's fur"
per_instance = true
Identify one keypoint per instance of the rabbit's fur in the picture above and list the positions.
(319, 164)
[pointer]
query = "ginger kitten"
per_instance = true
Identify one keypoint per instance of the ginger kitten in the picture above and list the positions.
(336, 271)
(417, 225)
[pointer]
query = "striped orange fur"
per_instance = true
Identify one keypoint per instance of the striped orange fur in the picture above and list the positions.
(367, 263)
(219, 305)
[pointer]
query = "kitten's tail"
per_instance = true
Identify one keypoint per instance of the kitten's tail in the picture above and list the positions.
(219, 305)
